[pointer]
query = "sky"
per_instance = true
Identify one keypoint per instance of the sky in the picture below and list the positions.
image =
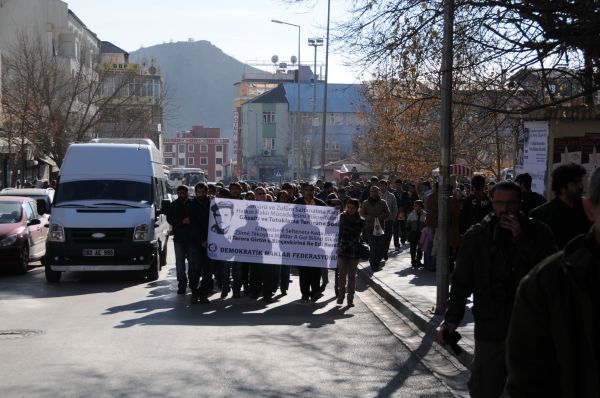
(240, 28)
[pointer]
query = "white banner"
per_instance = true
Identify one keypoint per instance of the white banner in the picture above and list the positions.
(273, 233)
(532, 154)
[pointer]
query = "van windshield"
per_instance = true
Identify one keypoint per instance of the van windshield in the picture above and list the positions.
(104, 189)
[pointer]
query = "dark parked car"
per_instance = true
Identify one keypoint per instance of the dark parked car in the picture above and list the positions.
(22, 232)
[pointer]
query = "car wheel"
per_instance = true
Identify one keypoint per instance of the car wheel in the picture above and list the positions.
(51, 275)
(153, 272)
(23, 261)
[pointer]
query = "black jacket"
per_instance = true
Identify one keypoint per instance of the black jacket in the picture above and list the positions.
(349, 235)
(552, 343)
(474, 208)
(199, 214)
(564, 221)
(178, 210)
(531, 200)
(489, 265)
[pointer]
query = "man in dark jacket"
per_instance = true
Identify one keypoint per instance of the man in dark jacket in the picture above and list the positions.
(475, 206)
(494, 256)
(178, 215)
(199, 215)
(374, 208)
(529, 199)
(552, 345)
(564, 214)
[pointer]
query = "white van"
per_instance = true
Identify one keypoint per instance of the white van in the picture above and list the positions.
(106, 213)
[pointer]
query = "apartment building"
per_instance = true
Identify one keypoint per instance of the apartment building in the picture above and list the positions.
(200, 147)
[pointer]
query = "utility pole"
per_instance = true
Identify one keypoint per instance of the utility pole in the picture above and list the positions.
(445, 155)
(324, 132)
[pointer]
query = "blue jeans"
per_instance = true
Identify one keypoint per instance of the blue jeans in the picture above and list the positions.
(189, 251)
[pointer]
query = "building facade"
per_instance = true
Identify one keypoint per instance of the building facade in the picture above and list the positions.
(200, 147)
(135, 109)
(283, 138)
(50, 25)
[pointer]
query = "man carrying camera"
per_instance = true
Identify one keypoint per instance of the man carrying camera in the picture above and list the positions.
(494, 256)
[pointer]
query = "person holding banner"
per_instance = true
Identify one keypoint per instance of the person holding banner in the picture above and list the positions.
(199, 214)
(223, 213)
(310, 277)
(283, 281)
(351, 225)
(178, 215)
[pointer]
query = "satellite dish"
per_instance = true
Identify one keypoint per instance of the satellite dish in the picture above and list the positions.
(274, 59)
(293, 60)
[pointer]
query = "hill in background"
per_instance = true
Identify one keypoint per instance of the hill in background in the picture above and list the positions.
(199, 78)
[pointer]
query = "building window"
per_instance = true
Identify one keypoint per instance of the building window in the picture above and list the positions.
(181, 161)
(203, 148)
(219, 160)
(269, 144)
(190, 148)
(181, 148)
(168, 161)
(168, 147)
(218, 173)
(190, 161)
(269, 117)
(219, 148)
(203, 161)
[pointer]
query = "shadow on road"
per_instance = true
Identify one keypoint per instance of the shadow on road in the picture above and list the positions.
(176, 310)
(33, 283)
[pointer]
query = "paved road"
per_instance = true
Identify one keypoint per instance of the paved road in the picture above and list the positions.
(107, 334)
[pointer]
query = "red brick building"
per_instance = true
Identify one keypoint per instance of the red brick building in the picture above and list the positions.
(200, 147)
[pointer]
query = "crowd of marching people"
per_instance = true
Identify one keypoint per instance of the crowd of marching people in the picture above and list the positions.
(509, 249)
(374, 213)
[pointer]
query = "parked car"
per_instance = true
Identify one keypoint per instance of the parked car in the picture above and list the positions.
(22, 232)
(42, 196)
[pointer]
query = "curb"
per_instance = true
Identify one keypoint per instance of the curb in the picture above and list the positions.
(426, 323)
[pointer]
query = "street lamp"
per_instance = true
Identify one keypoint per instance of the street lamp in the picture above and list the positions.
(294, 130)
(314, 42)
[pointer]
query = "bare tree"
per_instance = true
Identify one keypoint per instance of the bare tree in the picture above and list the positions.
(50, 101)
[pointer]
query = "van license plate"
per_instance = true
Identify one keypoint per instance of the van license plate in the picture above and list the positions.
(98, 252)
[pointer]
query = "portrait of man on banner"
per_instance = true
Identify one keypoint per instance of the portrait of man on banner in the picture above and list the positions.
(223, 214)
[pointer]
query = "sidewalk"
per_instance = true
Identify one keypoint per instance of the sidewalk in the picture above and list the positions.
(413, 293)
